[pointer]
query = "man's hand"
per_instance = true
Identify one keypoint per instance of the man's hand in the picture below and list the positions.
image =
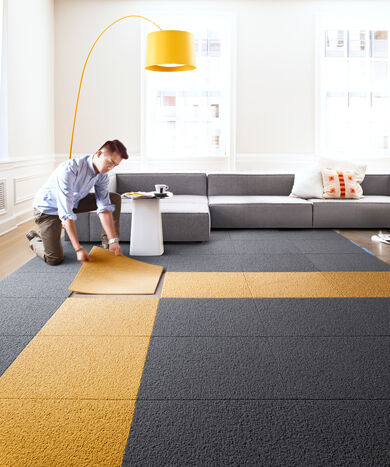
(82, 255)
(115, 248)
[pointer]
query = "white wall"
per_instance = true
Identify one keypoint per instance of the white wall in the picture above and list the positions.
(109, 105)
(276, 68)
(31, 156)
(30, 77)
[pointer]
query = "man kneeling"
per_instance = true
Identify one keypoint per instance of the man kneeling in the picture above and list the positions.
(67, 192)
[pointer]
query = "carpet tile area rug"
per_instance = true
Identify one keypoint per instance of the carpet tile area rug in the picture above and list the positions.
(267, 347)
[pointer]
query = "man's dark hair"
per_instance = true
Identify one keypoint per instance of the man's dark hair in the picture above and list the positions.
(116, 146)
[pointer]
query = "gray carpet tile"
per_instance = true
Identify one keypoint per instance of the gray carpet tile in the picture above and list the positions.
(288, 262)
(332, 246)
(273, 317)
(310, 234)
(10, 348)
(215, 247)
(247, 234)
(220, 234)
(209, 367)
(40, 284)
(208, 317)
(334, 367)
(26, 316)
(348, 262)
(70, 264)
(204, 263)
(265, 245)
(259, 433)
(324, 316)
(254, 234)
(162, 260)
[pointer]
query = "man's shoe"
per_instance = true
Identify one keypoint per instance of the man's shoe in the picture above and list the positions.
(30, 235)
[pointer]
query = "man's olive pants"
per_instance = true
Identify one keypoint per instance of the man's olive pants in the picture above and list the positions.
(49, 246)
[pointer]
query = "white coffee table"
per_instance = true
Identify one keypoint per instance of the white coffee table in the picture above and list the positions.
(146, 237)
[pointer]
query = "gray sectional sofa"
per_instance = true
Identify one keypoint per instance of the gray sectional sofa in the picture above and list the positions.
(238, 200)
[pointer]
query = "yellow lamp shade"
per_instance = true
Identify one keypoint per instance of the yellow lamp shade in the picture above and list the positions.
(170, 51)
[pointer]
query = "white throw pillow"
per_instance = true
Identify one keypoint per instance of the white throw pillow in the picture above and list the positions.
(307, 183)
(358, 167)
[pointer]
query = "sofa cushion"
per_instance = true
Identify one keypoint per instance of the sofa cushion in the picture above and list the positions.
(376, 184)
(260, 212)
(256, 200)
(368, 212)
(179, 183)
(250, 184)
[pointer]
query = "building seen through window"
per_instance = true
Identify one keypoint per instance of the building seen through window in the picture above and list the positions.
(354, 91)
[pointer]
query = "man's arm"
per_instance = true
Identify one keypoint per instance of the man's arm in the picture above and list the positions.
(105, 210)
(70, 228)
(65, 183)
(108, 225)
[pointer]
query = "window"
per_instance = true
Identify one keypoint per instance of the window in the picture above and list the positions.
(354, 115)
(187, 115)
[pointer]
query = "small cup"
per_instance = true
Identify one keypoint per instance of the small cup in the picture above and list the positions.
(161, 188)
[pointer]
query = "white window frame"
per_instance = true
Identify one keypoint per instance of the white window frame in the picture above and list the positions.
(345, 23)
(157, 14)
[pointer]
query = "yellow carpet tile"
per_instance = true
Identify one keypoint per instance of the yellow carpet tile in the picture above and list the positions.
(77, 367)
(205, 284)
(276, 284)
(108, 274)
(361, 284)
(103, 316)
(290, 284)
(48, 433)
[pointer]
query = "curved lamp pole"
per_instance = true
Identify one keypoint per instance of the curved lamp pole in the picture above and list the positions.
(166, 50)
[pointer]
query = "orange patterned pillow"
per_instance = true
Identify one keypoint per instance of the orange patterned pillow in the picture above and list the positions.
(341, 184)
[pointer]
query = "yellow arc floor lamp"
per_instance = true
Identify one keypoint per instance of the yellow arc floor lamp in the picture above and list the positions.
(166, 50)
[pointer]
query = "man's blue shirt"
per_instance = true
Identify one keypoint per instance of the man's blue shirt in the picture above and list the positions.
(68, 184)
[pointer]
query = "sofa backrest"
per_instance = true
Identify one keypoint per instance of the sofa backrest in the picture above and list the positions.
(376, 184)
(250, 184)
(279, 184)
(179, 183)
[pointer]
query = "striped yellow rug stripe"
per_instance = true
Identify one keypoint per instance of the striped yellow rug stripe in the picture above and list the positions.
(69, 397)
(276, 284)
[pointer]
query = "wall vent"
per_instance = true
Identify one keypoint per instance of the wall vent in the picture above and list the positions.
(2, 195)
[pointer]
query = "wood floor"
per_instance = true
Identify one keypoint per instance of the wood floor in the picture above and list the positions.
(14, 249)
